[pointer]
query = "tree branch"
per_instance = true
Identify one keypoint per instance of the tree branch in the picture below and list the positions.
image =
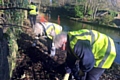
(15, 8)
(8, 25)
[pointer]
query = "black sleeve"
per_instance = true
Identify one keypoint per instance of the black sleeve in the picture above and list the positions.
(83, 50)
(36, 9)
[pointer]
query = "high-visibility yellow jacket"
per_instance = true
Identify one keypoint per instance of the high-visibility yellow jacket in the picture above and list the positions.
(52, 26)
(103, 47)
(33, 11)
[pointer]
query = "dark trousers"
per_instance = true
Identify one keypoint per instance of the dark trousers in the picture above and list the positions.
(94, 74)
(32, 19)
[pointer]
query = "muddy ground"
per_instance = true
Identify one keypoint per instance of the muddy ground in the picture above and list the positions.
(34, 63)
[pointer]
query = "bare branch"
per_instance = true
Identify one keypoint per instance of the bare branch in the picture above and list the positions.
(15, 8)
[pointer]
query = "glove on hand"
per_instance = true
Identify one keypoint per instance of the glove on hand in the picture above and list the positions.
(68, 70)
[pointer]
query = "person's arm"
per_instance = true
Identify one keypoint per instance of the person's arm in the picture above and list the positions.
(83, 50)
(36, 9)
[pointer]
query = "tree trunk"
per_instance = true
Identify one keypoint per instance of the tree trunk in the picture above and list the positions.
(95, 12)
(39, 6)
(4, 66)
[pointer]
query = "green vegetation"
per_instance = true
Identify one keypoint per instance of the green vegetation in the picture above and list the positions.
(88, 14)
(113, 13)
(79, 11)
(13, 17)
(88, 10)
(107, 19)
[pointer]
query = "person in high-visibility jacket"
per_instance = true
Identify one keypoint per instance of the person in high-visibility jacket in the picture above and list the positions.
(89, 52)
(48, 30)
(33, 13)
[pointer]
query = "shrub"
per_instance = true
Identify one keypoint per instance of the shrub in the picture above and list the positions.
(79, 11)
(107, 19)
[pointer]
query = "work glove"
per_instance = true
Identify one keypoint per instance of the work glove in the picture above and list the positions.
(78, 73)
(67, 74)
(76, 70)
(68, 70)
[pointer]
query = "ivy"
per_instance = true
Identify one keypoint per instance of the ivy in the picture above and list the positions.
(79, 11)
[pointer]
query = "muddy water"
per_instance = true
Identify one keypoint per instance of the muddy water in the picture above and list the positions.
(69, 25)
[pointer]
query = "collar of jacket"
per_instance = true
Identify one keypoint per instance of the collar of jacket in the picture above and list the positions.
(71, 58)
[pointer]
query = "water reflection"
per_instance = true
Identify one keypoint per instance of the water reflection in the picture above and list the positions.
(70, 25)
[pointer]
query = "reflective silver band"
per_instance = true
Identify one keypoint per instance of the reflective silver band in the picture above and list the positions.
(106, 53)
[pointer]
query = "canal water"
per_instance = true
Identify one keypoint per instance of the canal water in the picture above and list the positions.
(70, 25)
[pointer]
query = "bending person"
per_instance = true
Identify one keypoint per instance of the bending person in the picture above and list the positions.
(89, 52)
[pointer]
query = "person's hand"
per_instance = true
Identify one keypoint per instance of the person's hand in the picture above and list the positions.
(68, 70)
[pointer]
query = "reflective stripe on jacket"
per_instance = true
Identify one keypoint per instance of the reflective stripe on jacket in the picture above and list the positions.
(52, 26)
(103, 46)
(33, 11)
